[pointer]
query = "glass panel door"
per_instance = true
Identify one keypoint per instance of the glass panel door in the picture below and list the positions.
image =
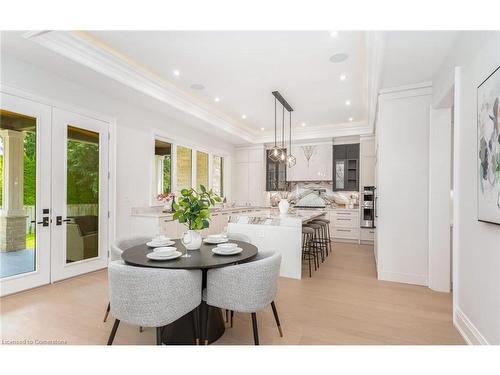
(24, 194)
(79, 194)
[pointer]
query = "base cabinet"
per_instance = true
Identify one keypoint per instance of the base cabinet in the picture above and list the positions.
(344, 225)
(367, 235)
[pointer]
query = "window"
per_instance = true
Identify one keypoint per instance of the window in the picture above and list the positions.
(218, 175)
(184, 168)
(201, 169)
(163, 167)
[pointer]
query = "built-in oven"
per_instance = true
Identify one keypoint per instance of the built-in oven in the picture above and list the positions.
(368, 207)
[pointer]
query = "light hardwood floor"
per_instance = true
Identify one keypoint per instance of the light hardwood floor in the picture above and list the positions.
(343, 303)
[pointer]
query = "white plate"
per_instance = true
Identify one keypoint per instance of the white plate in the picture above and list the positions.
(227, 246)
(165, 250)
(215, 242)
(160, 244)
(155, 256)
(218, 251)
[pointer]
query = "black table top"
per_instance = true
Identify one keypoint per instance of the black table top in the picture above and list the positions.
(203, 258)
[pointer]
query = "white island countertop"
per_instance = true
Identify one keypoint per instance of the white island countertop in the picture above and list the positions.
(273, 217)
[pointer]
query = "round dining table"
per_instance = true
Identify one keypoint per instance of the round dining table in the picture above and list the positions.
(182, 330)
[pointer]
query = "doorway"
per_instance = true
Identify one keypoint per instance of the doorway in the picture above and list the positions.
(54, 194)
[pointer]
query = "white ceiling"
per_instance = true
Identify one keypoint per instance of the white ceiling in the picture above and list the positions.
(414, 56)
(243, 68)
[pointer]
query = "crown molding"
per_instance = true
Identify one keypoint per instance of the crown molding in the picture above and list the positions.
(323, 131)
(86, 51)
(90, 52)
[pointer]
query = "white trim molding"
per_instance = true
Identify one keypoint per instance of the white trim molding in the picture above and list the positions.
(400, 277)
(85, 50)
(467, 329)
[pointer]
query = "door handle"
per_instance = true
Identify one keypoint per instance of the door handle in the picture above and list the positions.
(44, 222)
(59, 220)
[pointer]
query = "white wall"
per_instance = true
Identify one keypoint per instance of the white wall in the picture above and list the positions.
(135, 127)
(476, 245)
(439, 199)
(403, 185)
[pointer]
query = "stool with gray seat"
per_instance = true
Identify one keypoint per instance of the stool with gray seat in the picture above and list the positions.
(308, 252)
(150, 297)
(327, 233)
(246, 288)
(118, 247)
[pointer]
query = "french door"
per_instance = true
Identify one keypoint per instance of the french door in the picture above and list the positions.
(79, 229)
(54, 194)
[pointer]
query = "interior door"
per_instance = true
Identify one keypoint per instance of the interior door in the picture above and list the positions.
(79, 194)
(25, 128)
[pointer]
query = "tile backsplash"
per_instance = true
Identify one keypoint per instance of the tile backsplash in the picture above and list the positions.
(316, 193)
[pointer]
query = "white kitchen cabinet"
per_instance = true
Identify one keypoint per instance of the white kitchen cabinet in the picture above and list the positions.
(367, 235)
(318, 168)
(249, 174)
(368, 158)
(344, 225)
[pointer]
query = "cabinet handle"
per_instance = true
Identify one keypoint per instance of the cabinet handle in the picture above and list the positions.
(344, 230)
(341, 218)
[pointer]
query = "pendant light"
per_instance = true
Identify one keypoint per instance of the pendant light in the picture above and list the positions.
(283, 149)
(290, 160)
(275, 152)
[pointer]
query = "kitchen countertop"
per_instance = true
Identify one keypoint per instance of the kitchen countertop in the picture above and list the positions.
(157, 212)
(273, 217)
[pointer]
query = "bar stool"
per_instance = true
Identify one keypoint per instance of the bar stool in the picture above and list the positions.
(318, 242)
(327, 234)
(307, 253)
(322, 238)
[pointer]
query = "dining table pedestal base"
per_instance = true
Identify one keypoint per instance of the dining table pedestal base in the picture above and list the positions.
(181, 332)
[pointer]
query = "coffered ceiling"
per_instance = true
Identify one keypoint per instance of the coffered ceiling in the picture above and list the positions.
(222, 81)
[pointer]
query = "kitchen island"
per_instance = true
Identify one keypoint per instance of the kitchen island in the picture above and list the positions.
(268, 230)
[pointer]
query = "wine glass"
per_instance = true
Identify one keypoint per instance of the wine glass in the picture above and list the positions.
(186, 239)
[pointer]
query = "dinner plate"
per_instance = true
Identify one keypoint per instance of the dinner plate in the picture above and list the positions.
(218, 251)
(160, 244)
(215, 242)
(156, 256)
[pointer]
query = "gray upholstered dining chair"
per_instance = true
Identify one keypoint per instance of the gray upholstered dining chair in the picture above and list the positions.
(247, 288)
(239, 237)
(117, 248)
(151, 297)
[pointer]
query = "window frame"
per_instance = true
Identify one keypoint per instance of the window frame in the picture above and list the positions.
(175, 142)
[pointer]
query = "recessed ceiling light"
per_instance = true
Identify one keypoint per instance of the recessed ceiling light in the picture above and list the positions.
(343, 77)
(243, 116)
(197, 86)
(303, 124)
(338, 57)
(217, 99)
(262, 129)
(176, 73)
(350, 119)
(334, 34)
(347, 102)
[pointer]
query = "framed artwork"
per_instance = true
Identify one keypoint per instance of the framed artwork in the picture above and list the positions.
(488, 146)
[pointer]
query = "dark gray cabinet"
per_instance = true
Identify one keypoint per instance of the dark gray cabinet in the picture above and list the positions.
(346, 167)
(275, 175)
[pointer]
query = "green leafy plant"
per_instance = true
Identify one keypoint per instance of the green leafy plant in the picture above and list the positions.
(192, 208)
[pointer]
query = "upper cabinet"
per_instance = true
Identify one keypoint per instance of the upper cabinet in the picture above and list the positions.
(314, 163)
(346, 166)
(275, 174)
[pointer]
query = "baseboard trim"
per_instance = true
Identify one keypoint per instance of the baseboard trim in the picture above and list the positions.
(406, 278)
(467, 329)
